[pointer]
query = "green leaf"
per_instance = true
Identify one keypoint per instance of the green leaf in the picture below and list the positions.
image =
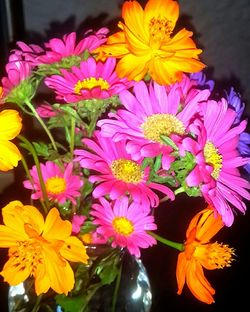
(71, 304)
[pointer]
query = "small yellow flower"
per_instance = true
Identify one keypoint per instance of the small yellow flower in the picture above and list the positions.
(39, 248)
(199, 253)
(10, 127)
(146, 44)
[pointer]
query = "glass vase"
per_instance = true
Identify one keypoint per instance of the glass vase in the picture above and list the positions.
(127, 291)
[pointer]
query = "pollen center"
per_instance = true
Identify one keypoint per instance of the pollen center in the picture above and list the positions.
(214, 158)
(161, 124)
(127, 170)
(220, 255)
(90, 83)
(123, 226)
(26, 255)
(55, 185)
(160, 29)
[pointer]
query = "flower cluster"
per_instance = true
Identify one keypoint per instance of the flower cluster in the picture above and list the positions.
(129, 121)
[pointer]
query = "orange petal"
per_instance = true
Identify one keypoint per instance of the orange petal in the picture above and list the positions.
(181, 271)
(167, 9)
(198, 284)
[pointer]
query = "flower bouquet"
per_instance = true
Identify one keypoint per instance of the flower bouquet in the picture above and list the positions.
(107, 127)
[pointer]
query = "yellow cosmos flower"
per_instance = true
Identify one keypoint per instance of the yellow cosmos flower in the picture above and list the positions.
(146, 44)
(199, 253)
(39, 248)
(10, 127)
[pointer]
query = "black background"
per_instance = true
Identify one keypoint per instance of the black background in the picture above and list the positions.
(231, 284)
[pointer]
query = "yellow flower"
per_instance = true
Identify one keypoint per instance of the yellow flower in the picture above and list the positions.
(10, 127)
(39, 248)
(146, 44)
(199, 253)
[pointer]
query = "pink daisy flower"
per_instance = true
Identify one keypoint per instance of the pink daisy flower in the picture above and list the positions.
(92, 80)
(118, 174)
(77, 222)
(17, 71)
(125, 224)
(57, 49)
(46, 111)
(148, 114)
(61, 185)
(218, 159)
(28, 53)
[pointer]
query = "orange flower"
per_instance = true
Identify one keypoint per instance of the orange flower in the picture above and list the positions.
(199, 253)
(39, 248)
(146, 44)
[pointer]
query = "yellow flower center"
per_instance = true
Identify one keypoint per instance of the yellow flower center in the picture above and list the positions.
(127, 170)
(27, 254)
(123, 226)
(160, 29)
(90, 83)
(214, 158)
(215, 254)
(55, 185)
(161, 124)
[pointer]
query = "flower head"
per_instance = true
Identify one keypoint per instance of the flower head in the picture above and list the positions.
(39, 248)
(92, 80)
(146, 43)
(218, 160)
(10, 127)
(125, 224)
(61, 185)
(117, 174)
(199, 253)
(148, 114)
(57, 49)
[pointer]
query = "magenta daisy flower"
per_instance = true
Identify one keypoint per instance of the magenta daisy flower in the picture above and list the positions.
(218, 159)
(148, 114)
(61, 185)
(117, 174)
(125, 224)
(92, 80)
(57, 49)
(17, 71)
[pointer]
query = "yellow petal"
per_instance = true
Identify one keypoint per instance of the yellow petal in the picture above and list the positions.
(55, 227)
(16, 215)
(15, 274)
(9, 155)
(42, 282)
(61, 276)
(74, 250)
(10, 237)
(10, 124)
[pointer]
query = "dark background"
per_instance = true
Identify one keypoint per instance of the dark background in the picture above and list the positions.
(221, 29)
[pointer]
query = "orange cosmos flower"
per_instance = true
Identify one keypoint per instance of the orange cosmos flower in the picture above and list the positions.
(146, 44)
(199, 252)
(39, 248)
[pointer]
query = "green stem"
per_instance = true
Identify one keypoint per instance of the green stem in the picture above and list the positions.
(117, 285)
(167, 242)
(30, 148)
(72, 135)
(31, 107)
(37, 304)
(179, 190)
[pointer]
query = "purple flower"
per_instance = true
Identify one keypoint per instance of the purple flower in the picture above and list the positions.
(202, 81)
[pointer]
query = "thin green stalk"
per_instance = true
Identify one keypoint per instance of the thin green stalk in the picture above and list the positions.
(72, 135)
(117, 285)
(167, 242)
(37, 304)
(42, 124)
(30, 147)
